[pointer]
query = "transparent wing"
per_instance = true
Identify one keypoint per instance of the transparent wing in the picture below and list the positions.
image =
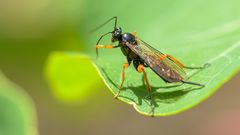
(166, 68)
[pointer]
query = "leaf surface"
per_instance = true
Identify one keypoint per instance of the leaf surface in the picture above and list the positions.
(191, 31)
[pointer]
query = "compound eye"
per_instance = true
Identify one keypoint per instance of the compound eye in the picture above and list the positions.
(118, 29)
(115, 35)
(117, 32)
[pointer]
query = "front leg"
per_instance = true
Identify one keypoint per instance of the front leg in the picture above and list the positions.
(106, 47)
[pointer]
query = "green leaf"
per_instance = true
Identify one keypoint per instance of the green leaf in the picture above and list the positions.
(195, 32)
(17, 112)
(72, 76)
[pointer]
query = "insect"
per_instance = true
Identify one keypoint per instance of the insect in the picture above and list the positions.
(142, 56)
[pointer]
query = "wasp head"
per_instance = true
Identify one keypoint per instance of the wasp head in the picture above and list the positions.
(116, 34)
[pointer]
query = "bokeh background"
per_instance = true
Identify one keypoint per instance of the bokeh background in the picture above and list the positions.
(30, 30)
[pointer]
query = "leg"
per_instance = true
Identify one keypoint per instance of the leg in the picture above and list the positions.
(134, 33)
(181, 64)
(193, 83)
(104, 46)
(125, 65)
(100, 40)
(204, 66)
(175, 60)
(140, 69)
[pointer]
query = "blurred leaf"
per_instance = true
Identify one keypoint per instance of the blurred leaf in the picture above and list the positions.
(72, 76)
(22, 21)
(17, 114)
(192, 31)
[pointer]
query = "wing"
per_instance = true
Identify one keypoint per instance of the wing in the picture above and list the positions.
(166, 68)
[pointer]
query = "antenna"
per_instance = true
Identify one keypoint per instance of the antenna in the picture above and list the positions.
(95, 29)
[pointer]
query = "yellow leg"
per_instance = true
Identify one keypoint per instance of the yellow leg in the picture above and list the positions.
(175, 60)
(140, 69)
(162, 57)
(104, 46)
(182, 65)
(125, 65)
(134, 33)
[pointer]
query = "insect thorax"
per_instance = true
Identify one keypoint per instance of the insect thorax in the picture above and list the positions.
(128, 37)
(124, 39)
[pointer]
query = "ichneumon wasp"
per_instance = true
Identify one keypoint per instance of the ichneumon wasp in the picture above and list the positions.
(142, 55)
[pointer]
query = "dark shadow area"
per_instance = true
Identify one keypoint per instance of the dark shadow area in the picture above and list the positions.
(160, 94)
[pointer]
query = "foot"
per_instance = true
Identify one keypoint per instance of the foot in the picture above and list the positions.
(206, 65)
(116, 96)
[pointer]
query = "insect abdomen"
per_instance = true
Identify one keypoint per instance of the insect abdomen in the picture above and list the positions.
(167, 74)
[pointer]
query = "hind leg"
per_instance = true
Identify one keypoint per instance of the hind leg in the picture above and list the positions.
(180, 64)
